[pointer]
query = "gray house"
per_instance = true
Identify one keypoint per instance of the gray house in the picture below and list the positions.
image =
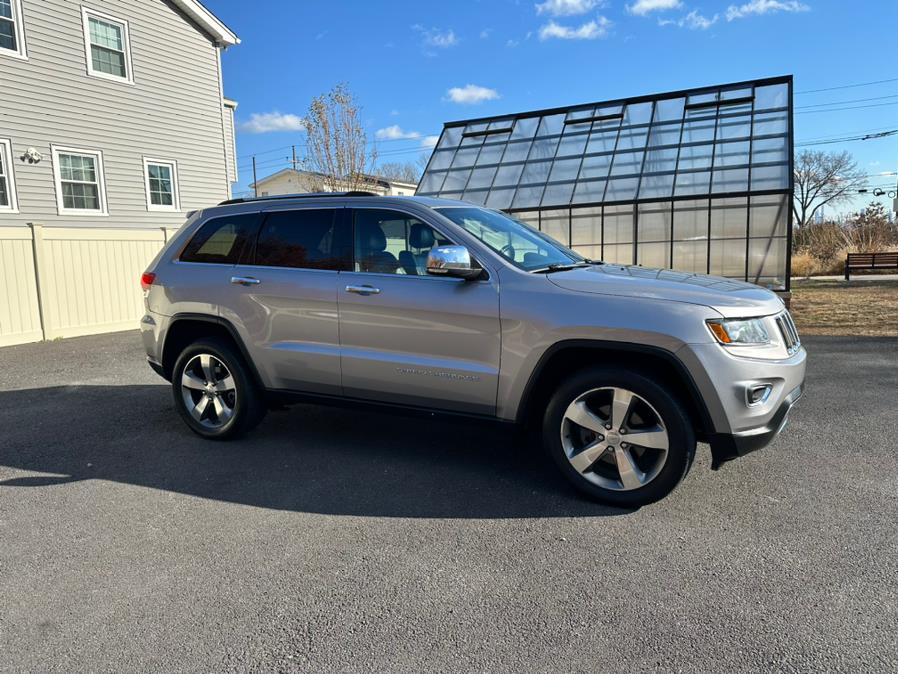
(112, 112)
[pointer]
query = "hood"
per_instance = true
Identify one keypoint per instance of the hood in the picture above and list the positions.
(732, 299)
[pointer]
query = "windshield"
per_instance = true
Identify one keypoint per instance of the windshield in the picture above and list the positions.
(517, 242)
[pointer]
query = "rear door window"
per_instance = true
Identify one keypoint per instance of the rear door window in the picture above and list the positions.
(315, 238)
(221, 240)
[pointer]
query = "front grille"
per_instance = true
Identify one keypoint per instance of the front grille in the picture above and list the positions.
(789, 332)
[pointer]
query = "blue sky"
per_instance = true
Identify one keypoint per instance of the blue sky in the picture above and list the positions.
(415, 65)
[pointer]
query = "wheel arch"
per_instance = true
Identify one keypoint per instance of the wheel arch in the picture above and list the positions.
(186, 328)
(566, 357)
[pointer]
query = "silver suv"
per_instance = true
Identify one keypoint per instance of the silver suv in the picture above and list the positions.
(435, 305)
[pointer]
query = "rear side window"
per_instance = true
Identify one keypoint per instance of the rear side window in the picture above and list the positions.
(221, 240)
(304, 239)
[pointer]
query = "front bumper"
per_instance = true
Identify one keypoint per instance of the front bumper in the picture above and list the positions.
(157, 368)
(728, 446)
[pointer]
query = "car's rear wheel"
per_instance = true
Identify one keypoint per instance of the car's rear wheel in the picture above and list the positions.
(214, 392)
(618, 436)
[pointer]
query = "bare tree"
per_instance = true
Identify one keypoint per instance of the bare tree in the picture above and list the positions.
(337, 147)
(421, 162)
(404, 171)
(310, 182)
(823, 178)
(870, 230)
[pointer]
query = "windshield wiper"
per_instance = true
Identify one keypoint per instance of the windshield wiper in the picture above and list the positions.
(555, 266)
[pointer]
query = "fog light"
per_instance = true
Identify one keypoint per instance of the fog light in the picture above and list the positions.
(756, 395)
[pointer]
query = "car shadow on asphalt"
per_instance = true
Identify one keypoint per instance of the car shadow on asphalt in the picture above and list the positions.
(307, 458)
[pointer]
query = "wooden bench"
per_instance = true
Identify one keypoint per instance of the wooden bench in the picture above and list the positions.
(870, 261)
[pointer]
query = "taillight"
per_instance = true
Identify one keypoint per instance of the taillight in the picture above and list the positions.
(146, 280)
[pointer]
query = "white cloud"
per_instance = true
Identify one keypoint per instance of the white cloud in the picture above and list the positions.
(272, 122)
(435, 37)
(697, 21)
(485, 33)
(588, 31)
(764, 7)
(567, 7)
(643, 7)
(471, 94)
(693, 20)
(395, 132)
(429, 142)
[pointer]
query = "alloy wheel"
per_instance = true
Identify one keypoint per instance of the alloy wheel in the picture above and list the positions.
(209, 391)
(614, 438)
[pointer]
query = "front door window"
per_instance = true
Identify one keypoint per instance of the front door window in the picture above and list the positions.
(391, 242)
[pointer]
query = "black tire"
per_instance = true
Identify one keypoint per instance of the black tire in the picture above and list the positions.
(680, 434)
(248, 400)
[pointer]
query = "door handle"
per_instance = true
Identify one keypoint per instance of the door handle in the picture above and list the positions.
(363, 290)
(245, 280)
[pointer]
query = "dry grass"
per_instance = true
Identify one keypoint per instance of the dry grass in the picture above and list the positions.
(858, 307)
(804, 265)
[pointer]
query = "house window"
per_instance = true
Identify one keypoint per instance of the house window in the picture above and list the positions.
(108, 46)
(7, 180)
(80, 185)
(162, 185)
(12, 36)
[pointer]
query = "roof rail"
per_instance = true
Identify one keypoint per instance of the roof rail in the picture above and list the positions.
(308, 195)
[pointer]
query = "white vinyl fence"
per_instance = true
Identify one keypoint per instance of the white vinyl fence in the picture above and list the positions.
(70, 281)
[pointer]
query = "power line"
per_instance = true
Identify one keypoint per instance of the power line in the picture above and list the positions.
(825, 107)
(856, 100)
(846, 86)
(856, 107)
(376, 141)
(830, 141)
(256, 154)
(423, 135)
(859, 132)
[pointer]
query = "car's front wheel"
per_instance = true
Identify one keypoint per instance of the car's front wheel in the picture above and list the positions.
(214, 392)
(619, 436)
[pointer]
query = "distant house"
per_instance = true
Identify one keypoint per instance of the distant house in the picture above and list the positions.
(293, 181)
(112, 112)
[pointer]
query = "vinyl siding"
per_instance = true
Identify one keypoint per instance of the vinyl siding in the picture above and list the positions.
(173, 111)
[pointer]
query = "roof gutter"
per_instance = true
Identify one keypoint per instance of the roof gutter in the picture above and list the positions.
(211, 24)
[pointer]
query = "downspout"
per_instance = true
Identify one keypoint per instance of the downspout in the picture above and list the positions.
(221, 112)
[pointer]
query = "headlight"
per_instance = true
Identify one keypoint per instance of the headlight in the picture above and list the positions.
(749, 331)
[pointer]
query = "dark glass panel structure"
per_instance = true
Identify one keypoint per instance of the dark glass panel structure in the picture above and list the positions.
(698, 181)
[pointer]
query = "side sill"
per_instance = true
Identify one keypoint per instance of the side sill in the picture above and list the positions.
(280, 398)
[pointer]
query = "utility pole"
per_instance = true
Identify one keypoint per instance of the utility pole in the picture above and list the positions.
(895, 198)
(294, 158)
(255, 179)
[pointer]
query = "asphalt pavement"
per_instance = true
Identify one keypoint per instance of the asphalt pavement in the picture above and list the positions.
(335, 540)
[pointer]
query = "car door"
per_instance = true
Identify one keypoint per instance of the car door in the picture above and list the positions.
(410, 338)
(285, 297)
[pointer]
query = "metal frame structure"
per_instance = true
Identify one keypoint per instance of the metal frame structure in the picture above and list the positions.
(729, 145)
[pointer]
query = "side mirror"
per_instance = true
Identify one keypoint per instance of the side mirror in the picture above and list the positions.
(452, 261)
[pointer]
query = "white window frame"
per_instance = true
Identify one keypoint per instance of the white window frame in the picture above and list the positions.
(101, 181)
(176, 196)
(20, 52)
(9, 175)
(86, 14)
